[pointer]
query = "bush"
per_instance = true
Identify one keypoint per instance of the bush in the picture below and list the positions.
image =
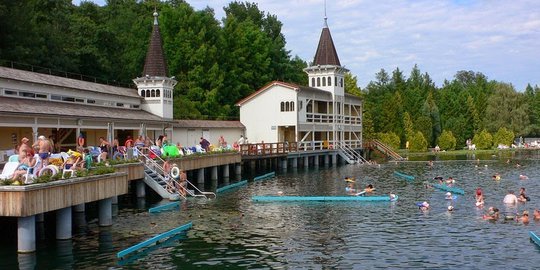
(418, 143)
(483, 140)
(390, 139)
(503, 136)
(447, 141)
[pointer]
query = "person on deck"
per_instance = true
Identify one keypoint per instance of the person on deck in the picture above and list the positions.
(44, 150)
(129, 142)
(205, 144)
(104, 147)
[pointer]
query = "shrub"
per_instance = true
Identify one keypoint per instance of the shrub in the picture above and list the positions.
(503, 136)
(447, 141)
(483, 140)
(418, 143)
(390, 139)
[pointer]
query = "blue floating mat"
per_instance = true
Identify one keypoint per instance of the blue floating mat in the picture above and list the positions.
(164, 207)
(323, 198)
(404, 176)
(264, 176)
(154, 239)
(231, 186)
(534, 238)
(450, 189)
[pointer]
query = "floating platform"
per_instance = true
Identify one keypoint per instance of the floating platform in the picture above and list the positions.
(154, 239)
(323, 198)
(535, 238)
(404, 176)
(449, 189)
(231, 186)
(164, 207)
(264, 176)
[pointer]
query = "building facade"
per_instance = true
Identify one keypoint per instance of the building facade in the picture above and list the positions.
(317, 116)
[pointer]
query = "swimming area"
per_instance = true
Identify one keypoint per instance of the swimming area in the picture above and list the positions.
(234, 232)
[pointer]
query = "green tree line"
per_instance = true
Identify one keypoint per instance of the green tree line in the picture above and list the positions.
(398, 110)
(216, 63)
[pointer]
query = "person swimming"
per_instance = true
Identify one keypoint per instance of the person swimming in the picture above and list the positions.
(479, 196)
(496, 177)
(350, 187)
(369, 188)
(492, 214)
(523, 177)
(450, 208)
(423, 206)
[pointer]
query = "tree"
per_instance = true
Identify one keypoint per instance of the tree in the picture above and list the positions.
(418, 143)
(447, 141)
(483, 140)
(351, 85)
(504, 137)
(507, 108)
(408, 126)
(390, 138)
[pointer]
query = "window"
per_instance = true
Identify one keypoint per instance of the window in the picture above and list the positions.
(135, 106)
(142, 93)
(157, 93)
(55, 97)
(318, 81)
(153, 93)
(341, 82)
(312, 82)
(27, 94)
(10, 92)
(292, 105)
(147, 93)
(282, 106)
(119, 104)
(41, 96)
(79, 100)
(68, 99)
(287, 108)
(323, 81)
(300, 105)
(329, 81)
(90, 101)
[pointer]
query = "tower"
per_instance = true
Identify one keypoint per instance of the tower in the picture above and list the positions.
(326, 72)
(154, 85)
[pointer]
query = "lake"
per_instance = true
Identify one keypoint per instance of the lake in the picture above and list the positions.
(234, 232)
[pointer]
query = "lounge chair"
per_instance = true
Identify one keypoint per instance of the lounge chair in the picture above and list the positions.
(9, 168)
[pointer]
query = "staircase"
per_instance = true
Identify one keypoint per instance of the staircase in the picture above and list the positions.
(384, 149)
(348, 154)
(154, 177)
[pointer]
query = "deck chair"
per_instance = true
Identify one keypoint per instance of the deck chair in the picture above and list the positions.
(14, 158)
(32, 172)
(9, 168)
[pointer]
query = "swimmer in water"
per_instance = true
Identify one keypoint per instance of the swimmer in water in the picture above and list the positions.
(350, 188)
(492, 214)
(523, 177)
(450, 208)
(369, 188)
(448, 195)
(423, 206)
(536, 214)
(479, 196)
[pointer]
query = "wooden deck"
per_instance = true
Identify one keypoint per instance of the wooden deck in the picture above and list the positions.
(194, 162)
(22, 201)
(135, 171)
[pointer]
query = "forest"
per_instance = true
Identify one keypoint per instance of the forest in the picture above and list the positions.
(217, 63)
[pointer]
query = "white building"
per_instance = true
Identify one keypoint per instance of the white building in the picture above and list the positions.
(311, 115)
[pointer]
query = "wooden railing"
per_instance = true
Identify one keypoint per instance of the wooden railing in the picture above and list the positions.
(265, 149)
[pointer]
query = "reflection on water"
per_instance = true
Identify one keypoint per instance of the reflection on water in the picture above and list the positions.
(234, 232)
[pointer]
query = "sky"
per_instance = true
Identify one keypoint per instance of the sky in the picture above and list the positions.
(498, 38)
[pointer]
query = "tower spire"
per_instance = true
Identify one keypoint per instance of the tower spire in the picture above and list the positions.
(155, 64)
(325, 18)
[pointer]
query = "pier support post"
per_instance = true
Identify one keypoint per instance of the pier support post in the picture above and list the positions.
(200, 177)
(114, 200)
(40, 217)
(295, 162)
(238, 169)
(79, 208)
(63, 223)
(226, 171)
(334, 159)
(253, 166)
(26, 234)
(141, 192)
(284, 163)
(306, 161)
(326, 159)
(316, 161)
(105, 212)
(214, 173)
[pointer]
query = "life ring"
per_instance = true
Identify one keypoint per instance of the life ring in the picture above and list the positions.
(175, 172)
(53, 168)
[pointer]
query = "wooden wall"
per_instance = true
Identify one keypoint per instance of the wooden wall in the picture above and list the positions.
(22, 201)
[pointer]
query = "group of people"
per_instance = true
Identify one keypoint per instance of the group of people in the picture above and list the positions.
(175, 183)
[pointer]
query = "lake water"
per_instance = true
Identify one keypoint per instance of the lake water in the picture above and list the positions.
(234, 232)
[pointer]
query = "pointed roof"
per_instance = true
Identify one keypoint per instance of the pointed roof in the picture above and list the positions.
(326, 51)
(155, 64)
